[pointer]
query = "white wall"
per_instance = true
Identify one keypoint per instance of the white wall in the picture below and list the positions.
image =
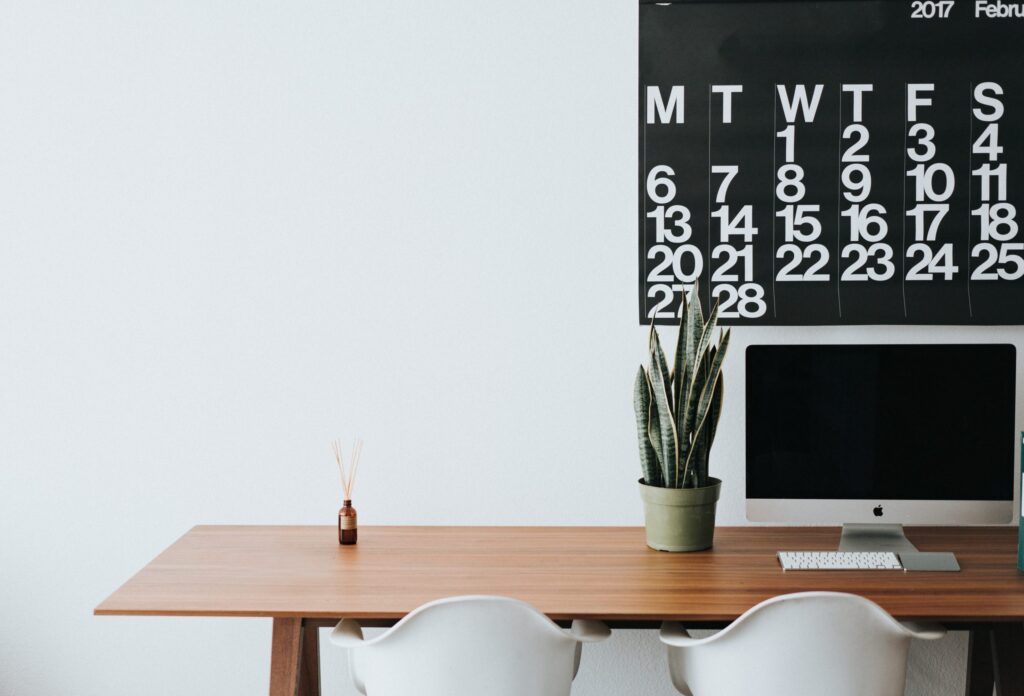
(230, 231)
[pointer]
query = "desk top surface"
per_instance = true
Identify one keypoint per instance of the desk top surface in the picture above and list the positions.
(567, 572)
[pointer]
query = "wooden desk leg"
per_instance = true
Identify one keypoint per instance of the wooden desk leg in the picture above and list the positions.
(285, 653)
(309, 673)
(294, 658)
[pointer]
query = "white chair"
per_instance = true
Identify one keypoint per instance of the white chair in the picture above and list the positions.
(468, 646)
(804, 644)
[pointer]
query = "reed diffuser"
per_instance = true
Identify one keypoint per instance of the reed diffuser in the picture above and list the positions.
(348, 531)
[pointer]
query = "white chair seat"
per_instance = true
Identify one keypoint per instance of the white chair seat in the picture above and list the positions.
(805, 644)
(468, 646)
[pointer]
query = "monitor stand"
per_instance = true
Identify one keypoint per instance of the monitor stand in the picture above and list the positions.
(874, 537)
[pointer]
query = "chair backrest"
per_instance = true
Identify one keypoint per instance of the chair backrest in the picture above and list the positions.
(804, 644)
(468, 646)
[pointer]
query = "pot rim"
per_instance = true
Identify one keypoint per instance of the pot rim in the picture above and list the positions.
(717, 484)
(682, 497)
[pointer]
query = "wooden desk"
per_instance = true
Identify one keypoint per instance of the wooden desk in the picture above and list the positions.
(303, 579)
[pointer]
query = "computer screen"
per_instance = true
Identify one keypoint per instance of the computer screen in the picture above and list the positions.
(908, 433)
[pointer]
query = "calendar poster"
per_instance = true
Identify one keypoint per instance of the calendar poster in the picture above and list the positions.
(818, 162)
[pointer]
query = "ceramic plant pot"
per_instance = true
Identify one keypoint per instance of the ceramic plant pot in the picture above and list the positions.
(680, 519)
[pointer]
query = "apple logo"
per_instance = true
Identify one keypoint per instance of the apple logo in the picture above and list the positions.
(878, 511)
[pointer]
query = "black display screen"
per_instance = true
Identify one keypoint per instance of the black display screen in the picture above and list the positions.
(880, 422)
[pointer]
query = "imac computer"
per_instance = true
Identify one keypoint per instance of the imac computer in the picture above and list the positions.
(876, 436)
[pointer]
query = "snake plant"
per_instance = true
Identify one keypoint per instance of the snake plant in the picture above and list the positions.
(677, 409)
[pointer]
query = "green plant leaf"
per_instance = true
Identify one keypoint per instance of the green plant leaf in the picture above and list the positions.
(658, 360)
(694, 323)
(654, 428)
(699, 467)
(709, 431)
(678, 358)
(697, 473)
(667, 426)
(707, 392)
(649, 464)
(717, 400)
(705, 336)
(686, 418)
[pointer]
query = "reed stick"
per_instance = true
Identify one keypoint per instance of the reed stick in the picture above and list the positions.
(347, 474)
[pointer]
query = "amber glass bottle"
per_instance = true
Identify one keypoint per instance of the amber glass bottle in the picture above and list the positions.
(347, 529)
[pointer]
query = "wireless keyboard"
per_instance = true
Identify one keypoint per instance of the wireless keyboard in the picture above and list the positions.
(839, 560)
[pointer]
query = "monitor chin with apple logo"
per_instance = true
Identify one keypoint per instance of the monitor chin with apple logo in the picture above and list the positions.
(872, 437)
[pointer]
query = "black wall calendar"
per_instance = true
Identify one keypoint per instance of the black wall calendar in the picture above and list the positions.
(833, 161)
